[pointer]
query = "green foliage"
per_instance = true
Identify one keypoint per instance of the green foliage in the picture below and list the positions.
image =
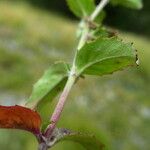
(104, 56)
(135, 4)
(81, 8)
(47, 87)
(102, 32)
(89, 142)
(99, 19)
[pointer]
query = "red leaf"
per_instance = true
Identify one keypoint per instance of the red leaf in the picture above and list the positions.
(18, 117)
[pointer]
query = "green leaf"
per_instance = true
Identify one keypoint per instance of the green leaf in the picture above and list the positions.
(102, 32)
(104, 56)
(100, 17)
(135, 4)
(48, 86)
(81, 8)
(88, 141)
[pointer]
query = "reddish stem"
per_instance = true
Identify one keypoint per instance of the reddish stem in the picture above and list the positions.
(59, 107)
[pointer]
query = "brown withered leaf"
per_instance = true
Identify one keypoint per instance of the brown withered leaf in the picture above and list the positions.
(18, 117)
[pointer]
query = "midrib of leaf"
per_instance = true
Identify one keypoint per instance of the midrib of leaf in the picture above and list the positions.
(99, 61)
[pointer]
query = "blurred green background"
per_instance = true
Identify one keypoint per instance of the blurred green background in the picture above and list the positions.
(116, 108)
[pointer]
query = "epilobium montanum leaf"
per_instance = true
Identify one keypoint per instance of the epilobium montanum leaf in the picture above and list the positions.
(104, 56)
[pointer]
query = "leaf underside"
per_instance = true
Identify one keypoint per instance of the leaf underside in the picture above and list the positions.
(88, 141)
(18, 117)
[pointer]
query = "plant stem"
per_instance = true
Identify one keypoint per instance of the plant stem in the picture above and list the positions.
(63, 97)
(60, 105)
(72, 77)
(98, 9)
(83, 37)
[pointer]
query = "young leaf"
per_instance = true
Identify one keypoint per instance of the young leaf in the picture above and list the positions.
(88, 141)
(102, 32)
(49, 85)
(104, 56)
(18, 117)
(81, 8)
(135, 4)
